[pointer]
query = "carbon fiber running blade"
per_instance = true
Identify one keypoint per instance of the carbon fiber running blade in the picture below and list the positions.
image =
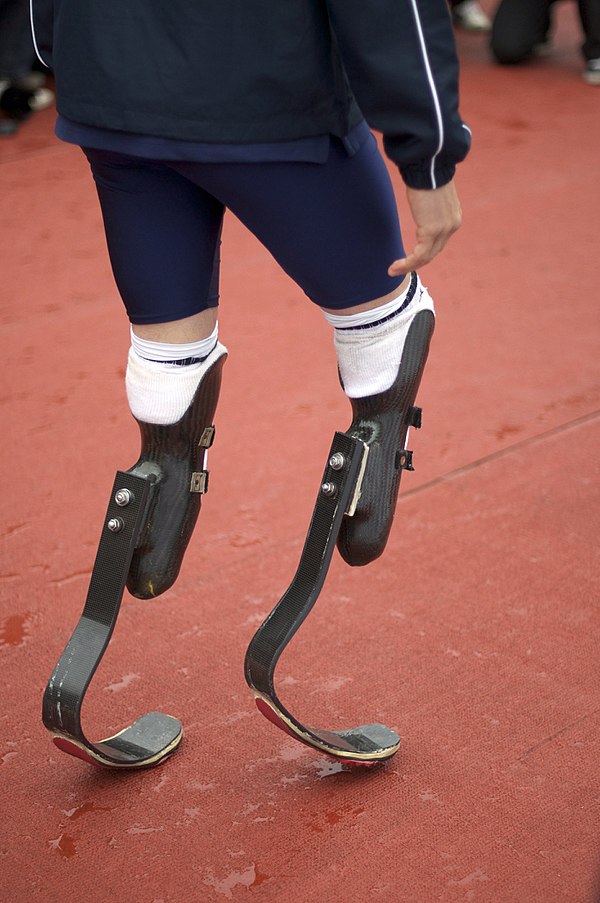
(153, 736)
(337, 496)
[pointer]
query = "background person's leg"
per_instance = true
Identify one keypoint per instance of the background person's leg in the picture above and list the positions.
(18, 97)
(16, 45)
(518, 28)
(589, 12)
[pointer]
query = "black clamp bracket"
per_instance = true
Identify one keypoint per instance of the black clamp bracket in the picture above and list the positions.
(405, 460)
(415, 417)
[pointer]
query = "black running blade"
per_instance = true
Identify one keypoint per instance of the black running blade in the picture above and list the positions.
(340, 487)
(154, 736)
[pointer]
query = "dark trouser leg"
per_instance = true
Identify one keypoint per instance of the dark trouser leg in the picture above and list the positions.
(589, 11)
(518, 27)
(163, 237)
(16, 44)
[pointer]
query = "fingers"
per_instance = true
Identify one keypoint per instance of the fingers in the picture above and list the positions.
(406, 265)
(423, 253)
(437, 216)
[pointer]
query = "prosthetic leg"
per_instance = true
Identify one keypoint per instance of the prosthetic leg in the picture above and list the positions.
(150, 518)
(152, 737)
(337, 499)
(355, 508)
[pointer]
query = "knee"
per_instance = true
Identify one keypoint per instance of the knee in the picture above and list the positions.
(508, 51)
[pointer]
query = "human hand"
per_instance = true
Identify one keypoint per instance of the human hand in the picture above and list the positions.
(437, 216)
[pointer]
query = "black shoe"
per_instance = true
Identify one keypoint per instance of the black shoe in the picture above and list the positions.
(382, 422)
(174, 455)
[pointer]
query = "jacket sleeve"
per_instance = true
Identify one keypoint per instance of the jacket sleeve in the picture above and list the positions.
(42, 28)
(401, 62)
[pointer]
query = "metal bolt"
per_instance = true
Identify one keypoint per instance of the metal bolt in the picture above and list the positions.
(329, 489)
(123, 497)
(116, 524)
(337, 461)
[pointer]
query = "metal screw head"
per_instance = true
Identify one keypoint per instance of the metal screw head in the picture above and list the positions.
(329, 489)
(337, 461)
(123, 497)
(116, 524)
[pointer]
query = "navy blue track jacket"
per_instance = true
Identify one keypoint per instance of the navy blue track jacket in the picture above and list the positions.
(245, 71)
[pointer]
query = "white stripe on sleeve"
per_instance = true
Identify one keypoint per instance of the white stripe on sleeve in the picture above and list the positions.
(433, 89)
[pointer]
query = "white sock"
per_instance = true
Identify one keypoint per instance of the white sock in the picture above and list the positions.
(161, 393)
(170, 354)
(369, 345)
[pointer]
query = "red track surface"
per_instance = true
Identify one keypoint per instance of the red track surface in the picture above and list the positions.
(476, 636)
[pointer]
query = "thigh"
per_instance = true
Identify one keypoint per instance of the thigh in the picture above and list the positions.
(333, 227)
(163, 236)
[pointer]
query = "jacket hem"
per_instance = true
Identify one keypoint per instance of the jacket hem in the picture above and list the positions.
(282, 126)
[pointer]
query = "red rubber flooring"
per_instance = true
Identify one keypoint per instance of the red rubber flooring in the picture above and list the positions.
(476, 636)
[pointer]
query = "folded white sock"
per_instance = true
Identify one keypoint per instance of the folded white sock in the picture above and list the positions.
(369, 345)
(168, 353)
(162, 393)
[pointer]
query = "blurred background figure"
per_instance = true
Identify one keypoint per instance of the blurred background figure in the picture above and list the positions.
(22, 90)
(521, 30)
(468, 15)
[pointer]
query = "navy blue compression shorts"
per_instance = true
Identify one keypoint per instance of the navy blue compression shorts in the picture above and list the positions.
(333, 227)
